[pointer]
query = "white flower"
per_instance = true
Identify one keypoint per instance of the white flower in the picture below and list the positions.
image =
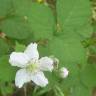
(64, 72)
(31, 66)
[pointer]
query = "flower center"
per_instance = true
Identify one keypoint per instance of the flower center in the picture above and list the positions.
(32, 67)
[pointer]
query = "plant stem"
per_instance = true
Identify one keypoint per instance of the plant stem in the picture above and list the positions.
(25, 91)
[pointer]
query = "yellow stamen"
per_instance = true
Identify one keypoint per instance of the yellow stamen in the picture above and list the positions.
(32, 67)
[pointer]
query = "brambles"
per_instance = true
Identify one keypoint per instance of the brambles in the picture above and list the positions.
(62, 28)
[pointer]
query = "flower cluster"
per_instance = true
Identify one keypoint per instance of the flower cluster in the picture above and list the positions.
(32, 67)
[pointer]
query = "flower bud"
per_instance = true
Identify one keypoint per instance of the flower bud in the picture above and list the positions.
(64, 72)
(55, 61)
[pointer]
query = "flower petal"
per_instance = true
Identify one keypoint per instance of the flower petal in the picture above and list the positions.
(21, 77)
(18, 59)
(46, 64)
(32, 51)
(39, 79)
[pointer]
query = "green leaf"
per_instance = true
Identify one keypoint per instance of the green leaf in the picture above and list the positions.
(16, 27)
(70, 81)
(69, 51)
(19, 47)
(88, 76)
(80, 90)
(5, 7)
(44, 50)
(73, 16)
(6, 88)
(4, 48)
(7, 72)
(39, 17)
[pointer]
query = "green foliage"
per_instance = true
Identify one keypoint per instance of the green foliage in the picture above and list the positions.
(4, 48)
(6, 88)
(19, 47)
(74, 16)
(7, 72)
(15, 27)
(5, 7)
(25, 21)
(58, 91)
(39, 17)
(88, 76)
(69, 51)
(81, 90)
